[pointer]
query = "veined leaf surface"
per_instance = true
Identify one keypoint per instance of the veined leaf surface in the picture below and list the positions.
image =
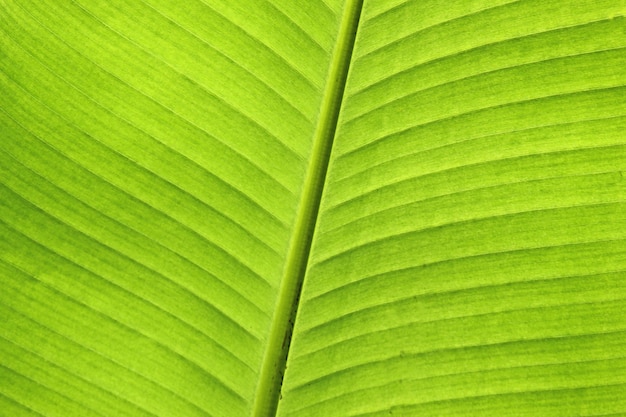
(173, 172)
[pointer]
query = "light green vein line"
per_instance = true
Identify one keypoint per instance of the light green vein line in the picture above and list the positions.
(275, 359)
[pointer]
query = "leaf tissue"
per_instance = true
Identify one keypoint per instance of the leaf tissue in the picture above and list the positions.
(312, 208)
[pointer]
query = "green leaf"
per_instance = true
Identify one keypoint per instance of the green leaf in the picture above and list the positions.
(432, 191)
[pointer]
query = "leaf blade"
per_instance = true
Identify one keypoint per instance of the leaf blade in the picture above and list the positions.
(448, 276)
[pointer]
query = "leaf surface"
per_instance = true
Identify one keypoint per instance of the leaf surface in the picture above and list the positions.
(171, 172)
(469, 255)
(153, 161)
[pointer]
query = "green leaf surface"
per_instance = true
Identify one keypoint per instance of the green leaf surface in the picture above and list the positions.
(428, 195)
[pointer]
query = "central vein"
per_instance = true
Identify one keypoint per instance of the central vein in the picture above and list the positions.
(275, 359)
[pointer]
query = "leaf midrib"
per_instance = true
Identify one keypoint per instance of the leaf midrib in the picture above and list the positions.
(277, 348)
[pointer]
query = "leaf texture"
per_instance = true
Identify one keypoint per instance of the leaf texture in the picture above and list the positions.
(470, 254)
(152, 159)
(161, 169)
